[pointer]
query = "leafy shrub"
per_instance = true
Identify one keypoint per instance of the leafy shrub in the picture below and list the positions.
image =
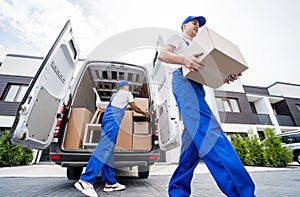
(270, 152)
(250, 150)
(13, 155)
(240, 146)
(45, 155)
(275, 154)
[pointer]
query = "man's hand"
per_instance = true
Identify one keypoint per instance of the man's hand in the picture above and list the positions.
(137, 109)
(232, 78)
(146, 113)
(193, 63)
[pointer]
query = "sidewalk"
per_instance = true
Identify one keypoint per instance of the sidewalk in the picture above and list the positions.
(51, 170)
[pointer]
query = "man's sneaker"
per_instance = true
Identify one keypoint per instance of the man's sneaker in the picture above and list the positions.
(86, 188)
(114, 187)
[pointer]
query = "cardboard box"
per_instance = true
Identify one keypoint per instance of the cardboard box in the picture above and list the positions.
(221, 58)
(143, 104)
(124, 139)
(79, 117)
(141, 128)
(141, 142)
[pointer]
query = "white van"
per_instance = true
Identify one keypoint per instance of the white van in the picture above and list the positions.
(59, 110)
(291, 140)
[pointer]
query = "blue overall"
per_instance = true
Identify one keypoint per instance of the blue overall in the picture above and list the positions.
(204, 139)
(103, 155)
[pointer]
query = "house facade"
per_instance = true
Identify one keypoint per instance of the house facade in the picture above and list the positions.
(257, 108)
(16, 72)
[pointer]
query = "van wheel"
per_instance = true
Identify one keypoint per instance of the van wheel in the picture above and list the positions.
(298, 157)
(74, 173)
(143, 172)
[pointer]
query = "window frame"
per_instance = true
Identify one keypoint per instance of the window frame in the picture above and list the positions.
(298, 107)
(225, 104)
(16, 95)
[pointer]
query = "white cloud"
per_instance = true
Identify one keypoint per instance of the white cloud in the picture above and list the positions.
(37, 23)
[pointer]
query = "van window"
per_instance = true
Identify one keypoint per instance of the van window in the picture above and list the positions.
(291, 139)
(287, 139)
(297, 138)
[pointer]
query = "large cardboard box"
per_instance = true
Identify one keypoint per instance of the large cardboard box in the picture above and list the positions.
(143, 104)
(79, 117)
(140, 127)
(124, 139)
(141, 142)
(221, 58)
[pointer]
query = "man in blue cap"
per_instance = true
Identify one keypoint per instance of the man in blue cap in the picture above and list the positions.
(102, 158)
(202, 137)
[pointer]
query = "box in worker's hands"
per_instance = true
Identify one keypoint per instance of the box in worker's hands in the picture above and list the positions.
(222, 58)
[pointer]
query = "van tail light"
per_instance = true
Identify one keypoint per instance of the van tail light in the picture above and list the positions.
(55, 157)
(59, 121)
(153, 157)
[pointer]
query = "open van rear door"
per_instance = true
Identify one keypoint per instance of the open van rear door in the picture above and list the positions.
(36, 118)
(169, 125)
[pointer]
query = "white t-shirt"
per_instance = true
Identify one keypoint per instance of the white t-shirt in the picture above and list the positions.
(180, 44)
(122, 98)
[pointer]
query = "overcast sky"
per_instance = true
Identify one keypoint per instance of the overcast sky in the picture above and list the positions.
(266, 31)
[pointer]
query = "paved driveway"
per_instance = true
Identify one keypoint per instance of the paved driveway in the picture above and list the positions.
(282, 182)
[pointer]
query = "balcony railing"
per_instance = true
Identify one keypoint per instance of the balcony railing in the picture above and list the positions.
(263, 119)
(285, 120)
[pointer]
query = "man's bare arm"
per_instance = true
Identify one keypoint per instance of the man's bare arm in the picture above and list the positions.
(137, 109)
(193, 63)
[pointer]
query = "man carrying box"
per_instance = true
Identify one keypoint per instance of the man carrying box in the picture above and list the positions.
(202, 137)
(102, 157)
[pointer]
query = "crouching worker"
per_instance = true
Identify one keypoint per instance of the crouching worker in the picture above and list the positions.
(102, 158)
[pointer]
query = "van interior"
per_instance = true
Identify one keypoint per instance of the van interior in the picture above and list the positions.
(100, 79)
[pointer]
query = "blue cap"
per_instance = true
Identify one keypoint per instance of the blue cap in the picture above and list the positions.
(123, 83)
(200, 19)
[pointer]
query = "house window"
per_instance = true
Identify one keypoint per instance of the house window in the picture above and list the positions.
(228, 105)
(14, 92)
(298, 107)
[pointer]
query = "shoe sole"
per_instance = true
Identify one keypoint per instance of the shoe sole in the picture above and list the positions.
(113, 189)
(77, 186)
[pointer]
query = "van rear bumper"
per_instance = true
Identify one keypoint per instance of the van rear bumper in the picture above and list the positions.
(117, 164)
(122, 159)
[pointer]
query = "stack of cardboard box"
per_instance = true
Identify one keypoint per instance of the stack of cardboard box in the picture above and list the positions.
(141, 137)
(133, 132)
(134, 129)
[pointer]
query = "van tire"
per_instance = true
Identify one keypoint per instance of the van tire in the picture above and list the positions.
(143, 172)
(74, 173)
(297, 156)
